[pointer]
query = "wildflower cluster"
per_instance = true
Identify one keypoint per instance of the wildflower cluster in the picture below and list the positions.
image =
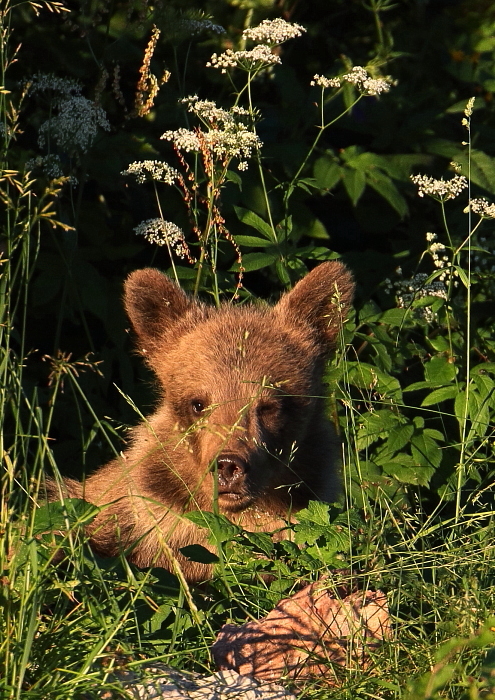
(259, 57)
(152, 170)
(196, 26)
(325, 83)
(75, 126)
(483, 208)
(438, 252)
(359, 77)
(226, 137)
(212, 115)
(273, 32)
(49, 164)
(162, 233)
(441, 190)
(409, 290)
(42, 82)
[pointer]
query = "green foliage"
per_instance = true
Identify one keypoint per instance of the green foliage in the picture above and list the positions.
(412, 384)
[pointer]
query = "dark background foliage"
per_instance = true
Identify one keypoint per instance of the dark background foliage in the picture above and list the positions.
(362, 204)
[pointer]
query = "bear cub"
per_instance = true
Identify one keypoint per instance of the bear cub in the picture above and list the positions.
(241, 418)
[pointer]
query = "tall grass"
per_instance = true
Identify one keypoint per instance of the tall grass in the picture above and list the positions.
(417, 519)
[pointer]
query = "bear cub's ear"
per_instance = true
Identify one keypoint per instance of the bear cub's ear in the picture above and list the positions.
(322, 299)
(153, 303)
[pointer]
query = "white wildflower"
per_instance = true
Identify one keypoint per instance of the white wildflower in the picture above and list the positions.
(40, 82)
(76, 124)
(183, 140)
(325, 82)
(437, 252)
(482, 207)
(152, 170)
(273, 31)
(226, 136)
(196, 26)
(259, 57)
(441, 190)
(359, 77)
(162, 233)
(49, 164)
(431, 236)
(418, 287)
(207, 110)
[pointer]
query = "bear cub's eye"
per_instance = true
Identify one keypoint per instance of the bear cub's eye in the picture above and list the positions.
(197, 406)
(267, 409)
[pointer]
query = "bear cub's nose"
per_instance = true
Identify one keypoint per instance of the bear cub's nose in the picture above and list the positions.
(231, 470)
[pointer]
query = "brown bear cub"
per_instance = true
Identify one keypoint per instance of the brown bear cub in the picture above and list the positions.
(241, 418)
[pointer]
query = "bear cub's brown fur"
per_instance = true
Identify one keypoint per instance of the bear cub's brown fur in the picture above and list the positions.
(242, 415)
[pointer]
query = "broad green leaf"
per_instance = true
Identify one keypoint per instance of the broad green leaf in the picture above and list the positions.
(385, 187)
(282, 273)
(220, 527)
(439, 343)
(407, 471)
(369, 377)
(354, 182)
(425, 450)
(482, 170)
(394, 317)
(261, 541)
(316, 512)
(416, 386)
(251, 219)
(58, 515)
(399, 437)
(439, 371)
(327, 172)
(253, 242)
(479, 413)
(255, 261)
(375, 426)
(439, 395)
(196, 552)
(234, 177)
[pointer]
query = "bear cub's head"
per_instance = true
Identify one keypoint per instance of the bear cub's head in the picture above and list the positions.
(242, 415)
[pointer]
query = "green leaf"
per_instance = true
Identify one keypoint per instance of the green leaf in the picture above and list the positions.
(251, 219)
(385, 187)
(369, 377)
(261, 541)
(482, 168)
(327, 172)
(405, 469)
(235, 178)
(399, 437)
(425, 450)
(439, 395)
(255, 261)
(462, 276)
(354, 182)
(196, 552)
(253, 242)
(439, 343)
(316, 512)
(416, 386)
(439, 371)
(394, 317)
(58, 515)
(220, 527)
